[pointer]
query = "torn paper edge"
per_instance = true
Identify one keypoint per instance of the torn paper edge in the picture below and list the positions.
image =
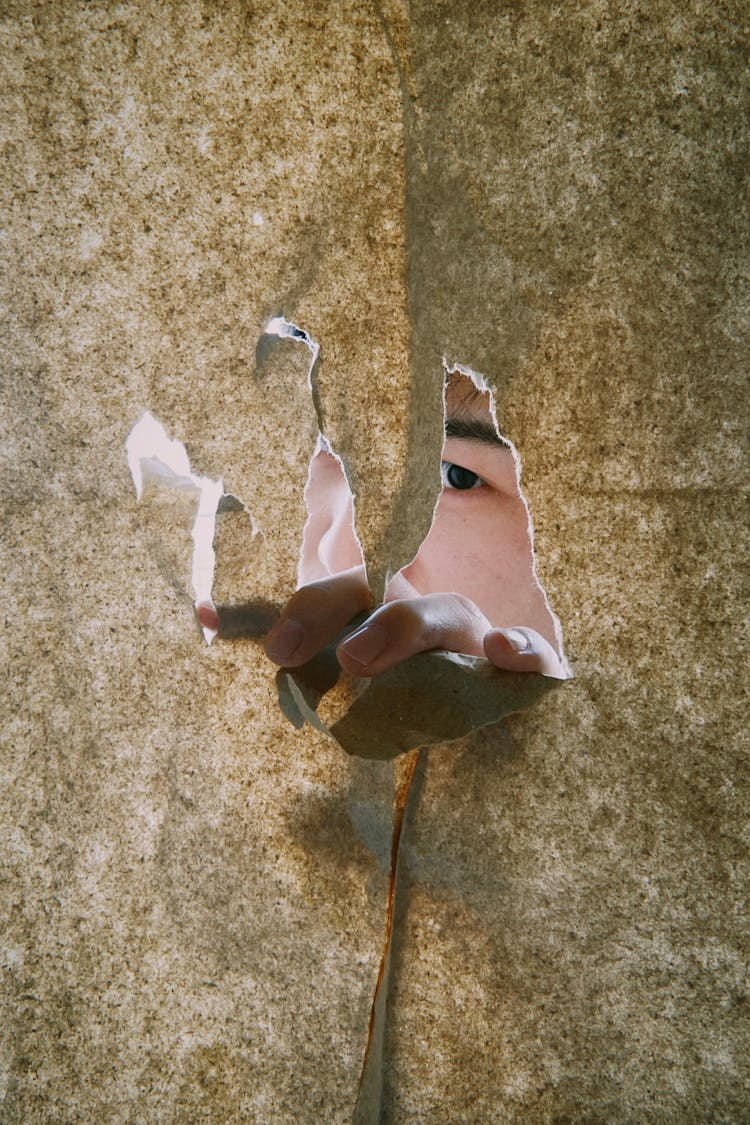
(285, 329)
(152, 454)
(324, 446)
(305, 710)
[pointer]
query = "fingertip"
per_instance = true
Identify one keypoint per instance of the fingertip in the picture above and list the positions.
(514, 642)
(519, 649)
(511, 649)
(362, 648)
(208, 618)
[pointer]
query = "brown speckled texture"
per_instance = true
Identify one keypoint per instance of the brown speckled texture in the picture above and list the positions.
(192, 891)
(575, 944)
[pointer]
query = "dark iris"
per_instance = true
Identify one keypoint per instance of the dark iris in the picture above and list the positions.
(461, 478)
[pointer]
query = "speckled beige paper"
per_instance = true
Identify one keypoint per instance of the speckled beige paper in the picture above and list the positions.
(192, 889)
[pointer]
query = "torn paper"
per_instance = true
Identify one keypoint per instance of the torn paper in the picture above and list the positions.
(153, 455)
(431, 698)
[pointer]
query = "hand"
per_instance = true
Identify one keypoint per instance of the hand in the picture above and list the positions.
(402, 627)
(334, 591)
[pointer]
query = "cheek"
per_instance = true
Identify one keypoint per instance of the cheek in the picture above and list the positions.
(475, 544)
(481, 525)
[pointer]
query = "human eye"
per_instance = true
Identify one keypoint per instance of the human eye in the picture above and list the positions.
(457, 478)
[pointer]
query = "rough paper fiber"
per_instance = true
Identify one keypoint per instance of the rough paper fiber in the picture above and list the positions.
(192, 889)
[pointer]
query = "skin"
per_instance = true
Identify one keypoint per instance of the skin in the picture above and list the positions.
(483, 600)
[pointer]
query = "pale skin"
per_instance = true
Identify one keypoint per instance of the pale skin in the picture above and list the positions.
(470, 588)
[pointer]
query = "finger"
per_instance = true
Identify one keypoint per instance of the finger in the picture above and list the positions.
(399, 587)
(521, 649)
(315, 615)
(208, 618)
(402, 628)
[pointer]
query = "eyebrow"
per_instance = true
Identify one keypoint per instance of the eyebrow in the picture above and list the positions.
(473, 429)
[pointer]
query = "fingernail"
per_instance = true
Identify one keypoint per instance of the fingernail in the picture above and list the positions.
(366, 644)
(284, 640)
(517, 640)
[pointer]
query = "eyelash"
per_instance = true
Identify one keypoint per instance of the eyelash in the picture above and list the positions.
(446, 468)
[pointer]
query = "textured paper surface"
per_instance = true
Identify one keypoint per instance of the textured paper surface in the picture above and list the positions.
(192, 889)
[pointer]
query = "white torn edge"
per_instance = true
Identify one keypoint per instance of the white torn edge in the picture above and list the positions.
(483, 387)
(305, 710)
(287, 330)
(152, 454)
(327, 541)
